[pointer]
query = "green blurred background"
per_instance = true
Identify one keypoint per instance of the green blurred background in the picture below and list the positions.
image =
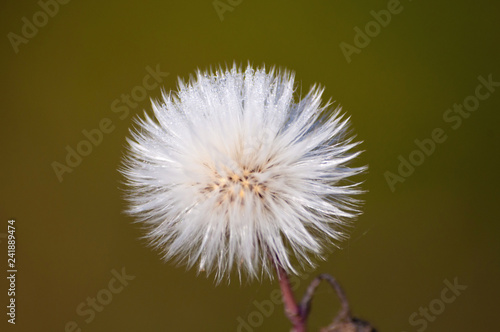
(441, 223)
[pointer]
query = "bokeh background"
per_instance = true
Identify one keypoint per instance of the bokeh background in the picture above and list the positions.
(441, 223)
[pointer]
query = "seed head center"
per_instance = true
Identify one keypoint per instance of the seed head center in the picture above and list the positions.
(235, 186)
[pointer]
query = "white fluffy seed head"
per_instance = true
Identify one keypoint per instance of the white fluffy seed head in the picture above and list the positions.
(234, 173)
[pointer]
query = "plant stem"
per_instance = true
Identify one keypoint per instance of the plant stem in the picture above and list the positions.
(345, 312)
(292, 309)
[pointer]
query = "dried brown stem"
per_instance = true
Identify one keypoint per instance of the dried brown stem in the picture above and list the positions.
(305, 305)
(298, 314)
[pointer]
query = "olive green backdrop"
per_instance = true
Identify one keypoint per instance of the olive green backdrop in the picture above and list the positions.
(441, 223)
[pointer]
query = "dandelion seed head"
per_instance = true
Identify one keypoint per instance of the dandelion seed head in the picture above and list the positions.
(234, 173)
